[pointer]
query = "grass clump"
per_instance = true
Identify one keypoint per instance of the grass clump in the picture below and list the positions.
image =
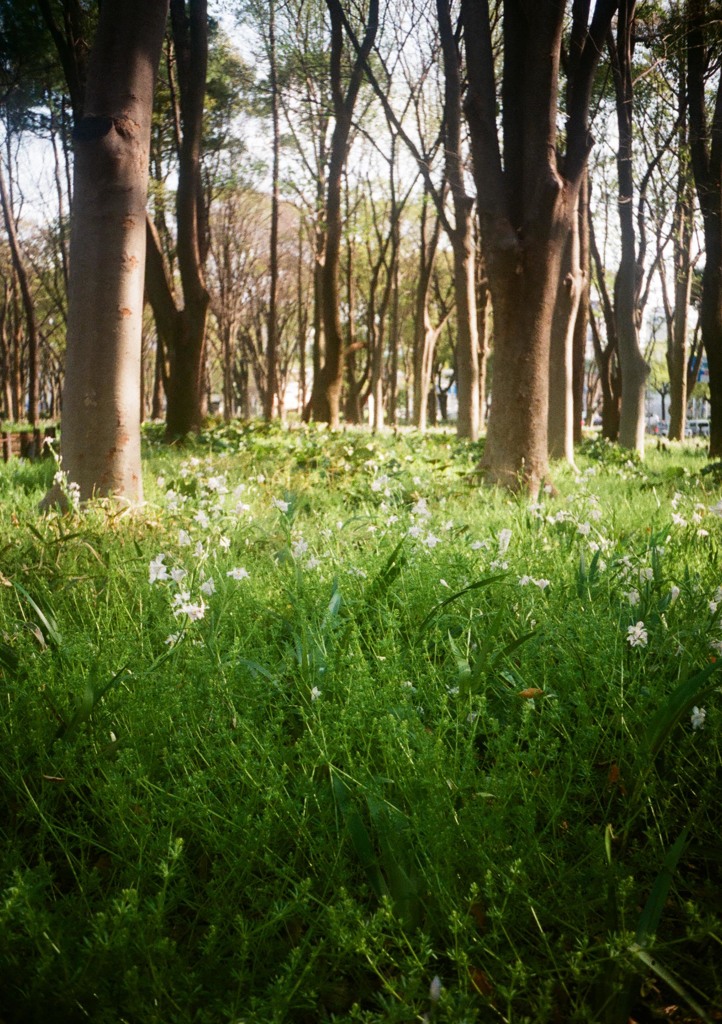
(325, 732)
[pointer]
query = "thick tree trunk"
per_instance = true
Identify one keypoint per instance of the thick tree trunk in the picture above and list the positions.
(516, 444)
(526, 204)
(101, 414)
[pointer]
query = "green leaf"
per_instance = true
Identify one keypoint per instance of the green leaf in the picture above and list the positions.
(652, 913)
(486, 581)
(689, 692)
(45, 620)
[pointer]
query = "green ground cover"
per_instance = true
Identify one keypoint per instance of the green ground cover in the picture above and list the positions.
(326, 732)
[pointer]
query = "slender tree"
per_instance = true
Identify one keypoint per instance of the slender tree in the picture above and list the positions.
(326, 393)
(705, 136)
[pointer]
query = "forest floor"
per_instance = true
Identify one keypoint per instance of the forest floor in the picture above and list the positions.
(328, 732)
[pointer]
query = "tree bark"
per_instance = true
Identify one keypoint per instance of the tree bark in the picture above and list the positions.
(18, 260)
(635, 370)
(272, 341)
(187, 344)
(326, 393)
(526, 205)
(706, 154)
(561, 397)
(101, 414)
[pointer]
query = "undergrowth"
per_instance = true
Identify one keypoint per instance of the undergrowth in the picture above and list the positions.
(326, 732)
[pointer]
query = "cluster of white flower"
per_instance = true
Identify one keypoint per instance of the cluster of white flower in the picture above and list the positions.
(637, 635)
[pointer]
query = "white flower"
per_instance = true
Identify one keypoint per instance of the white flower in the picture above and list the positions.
(238, 574)
(674, 594)
(414, 531)
(299, 547)
(208, 586)
(241, 506)
(313, 563)
(431, 541)
(217, 484)
(315, 693)
(698, 717)
(444, 583)
(225, 543)
(504, 540)
(260, 478)
(435, 989)
(172, 639)
(282, 506)
(202, 519)
(633, 596)
(525, 581)
(477, 544)
(646, 574)
(199, 551)
(160, 481)
(637, 635)
(716, 510)
(178, 575)
(157, 570)
(184, 539)
(542, 584)
(702, 533)
(421, 508)
(678, 520)
(193, 611)
(499, 563)
(584, 528)
(713, 607)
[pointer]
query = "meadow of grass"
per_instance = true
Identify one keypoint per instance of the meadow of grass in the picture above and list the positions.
(328, 732)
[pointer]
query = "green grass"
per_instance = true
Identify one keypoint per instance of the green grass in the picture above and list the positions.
(387, 756)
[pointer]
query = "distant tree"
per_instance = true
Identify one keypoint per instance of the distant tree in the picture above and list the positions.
(328, 380)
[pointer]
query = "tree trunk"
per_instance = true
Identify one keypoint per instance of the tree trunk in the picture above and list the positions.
(21, 272)
(677, 313)
(425, 335)
(581, 321)
(184, 411)
(272, 342)
(626, 290)
(526, 204)
(516, 444)
(326, 393)
(461, 236)
(706, 154)
(561, 396)
(101, 421)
